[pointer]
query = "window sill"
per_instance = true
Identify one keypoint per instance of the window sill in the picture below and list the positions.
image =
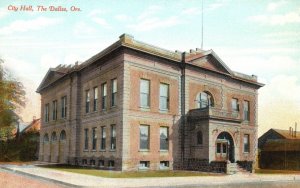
(164, 168)
(164, 111)
(144, 150)
(112, 150)
(145, 108)
(85, 150)
(164, 151)
(143, 168)
(94, 150)
(102, 150)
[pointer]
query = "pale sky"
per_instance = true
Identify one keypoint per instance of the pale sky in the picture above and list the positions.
(252, 37)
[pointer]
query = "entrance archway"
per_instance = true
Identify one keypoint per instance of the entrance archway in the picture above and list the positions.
(225, 147)
(62, 145)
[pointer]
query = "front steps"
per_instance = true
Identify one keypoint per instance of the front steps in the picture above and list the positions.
(234, 168)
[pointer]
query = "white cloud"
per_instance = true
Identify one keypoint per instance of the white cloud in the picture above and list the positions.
(101, 21)
(3, 12)
(275, 5)
(149, 12)
(155, 23)
(97, 17)
(81, 28)
(71, 59)
(49, 60)
(96, 12)
(122, 17)
(28, 25)
(216, 5)
(277, 19)
(191, 11)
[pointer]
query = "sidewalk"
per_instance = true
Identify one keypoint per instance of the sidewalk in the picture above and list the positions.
(79, 180)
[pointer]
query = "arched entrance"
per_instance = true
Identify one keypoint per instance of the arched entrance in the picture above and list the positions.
(225, 147)
(62, 145)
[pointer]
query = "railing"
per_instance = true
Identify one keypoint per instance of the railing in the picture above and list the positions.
(214, 113)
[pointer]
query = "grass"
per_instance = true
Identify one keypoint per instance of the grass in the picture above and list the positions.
(271, 171)
(119, 174)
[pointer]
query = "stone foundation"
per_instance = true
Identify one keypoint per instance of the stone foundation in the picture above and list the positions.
(202, 165)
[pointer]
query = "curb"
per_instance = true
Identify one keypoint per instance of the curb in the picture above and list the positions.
(40, 177)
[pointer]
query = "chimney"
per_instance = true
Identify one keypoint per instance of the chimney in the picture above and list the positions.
(295, 129)
(290, 130)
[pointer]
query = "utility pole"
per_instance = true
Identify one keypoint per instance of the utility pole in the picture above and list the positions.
(202, 27)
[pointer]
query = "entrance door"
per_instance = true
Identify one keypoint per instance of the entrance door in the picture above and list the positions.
(225, 147)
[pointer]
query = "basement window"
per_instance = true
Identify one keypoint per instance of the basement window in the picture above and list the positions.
(144, 165)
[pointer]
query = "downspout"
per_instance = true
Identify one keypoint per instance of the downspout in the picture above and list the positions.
(183, 122)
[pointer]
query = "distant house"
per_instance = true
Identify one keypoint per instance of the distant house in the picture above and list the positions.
(280, 149)
(34, 126)
(277, 134)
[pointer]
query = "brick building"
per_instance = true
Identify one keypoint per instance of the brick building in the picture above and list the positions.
(135, 106)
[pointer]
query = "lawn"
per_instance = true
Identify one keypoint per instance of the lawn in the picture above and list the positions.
(271, 171)
(118, 174)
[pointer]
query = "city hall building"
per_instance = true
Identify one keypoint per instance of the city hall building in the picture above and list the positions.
(135, 106)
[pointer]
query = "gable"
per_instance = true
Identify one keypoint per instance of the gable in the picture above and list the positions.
(50, 77)
(210, 61)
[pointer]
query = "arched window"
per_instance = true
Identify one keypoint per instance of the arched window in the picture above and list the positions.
(46, 138)
(204, 99)
(199, 137)
(53, 137)
(62, 135)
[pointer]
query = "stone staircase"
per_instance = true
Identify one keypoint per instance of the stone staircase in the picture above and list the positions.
(234, 168)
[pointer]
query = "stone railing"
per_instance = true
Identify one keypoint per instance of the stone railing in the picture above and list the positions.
(214, 113)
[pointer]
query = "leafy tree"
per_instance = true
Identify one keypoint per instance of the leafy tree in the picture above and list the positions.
(12, 97)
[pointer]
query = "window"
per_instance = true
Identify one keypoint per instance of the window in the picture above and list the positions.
(164, 138)
(86, 139)
(144, 137)
(64, 107)
(219, 147)
(62, 135)
(84, 162)
(246, 143)
(87, 101)
(144, 93)
(222, 147)
(95, 99)
(46, 138)
(53, 137)
(94, 137)
(47, 112)
(111, 164)
(103, 138)
(246, 111)
(101, 163)
(164, 97)
(113, 137)
(164, 164)
(204, 100)
(235, 104)
(54, 112)
(114, 92)
(144, 165)
(103, 95)
(199, 138)
(92, 162)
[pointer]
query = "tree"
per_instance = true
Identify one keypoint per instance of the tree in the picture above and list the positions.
(12, 97)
